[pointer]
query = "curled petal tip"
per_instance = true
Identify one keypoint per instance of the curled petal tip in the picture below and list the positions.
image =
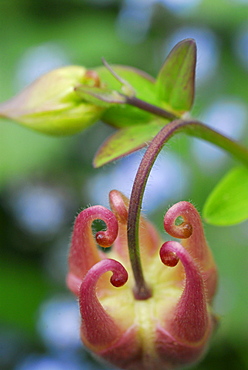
(119, 279)
(99, 329)
(168, 258)
(106, 238)
(193, 239)
(83, 251)
(185, 229)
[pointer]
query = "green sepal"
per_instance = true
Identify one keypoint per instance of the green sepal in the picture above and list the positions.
(144, 86)
(228, 202)
(126, 141)
(100, 96)
(176, 80)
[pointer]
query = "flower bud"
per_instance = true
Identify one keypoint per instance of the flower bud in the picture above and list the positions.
(50, 104)
(169, 330)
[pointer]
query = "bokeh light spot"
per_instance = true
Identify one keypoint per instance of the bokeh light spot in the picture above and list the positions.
(38, 60)
(59, 323)
(39, 209)
(180, 6)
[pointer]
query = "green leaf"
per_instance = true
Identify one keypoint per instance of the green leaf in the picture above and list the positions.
(228, 203)
(126, 141)
(176, 79)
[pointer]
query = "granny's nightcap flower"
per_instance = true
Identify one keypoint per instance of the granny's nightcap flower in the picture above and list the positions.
(170, 329)
(52, 106)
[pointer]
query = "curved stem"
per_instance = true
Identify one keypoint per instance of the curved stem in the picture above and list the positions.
(191, 127)
(195, 128)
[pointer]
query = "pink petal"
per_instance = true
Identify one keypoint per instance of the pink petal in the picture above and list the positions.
(183, 336)
(190, 320)
(192, 233)
(98, 329)
(83, 251)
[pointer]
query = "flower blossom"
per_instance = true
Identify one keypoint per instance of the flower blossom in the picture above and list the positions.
(172, 327)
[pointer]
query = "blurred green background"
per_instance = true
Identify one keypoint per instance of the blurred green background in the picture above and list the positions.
(45, 181)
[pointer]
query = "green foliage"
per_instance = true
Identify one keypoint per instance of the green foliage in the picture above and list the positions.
(228, 203)
(173, 90)
(126, 141)
(176, 79)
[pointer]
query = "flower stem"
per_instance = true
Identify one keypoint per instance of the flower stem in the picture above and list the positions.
(190, 127)
(194, 128)
(138, 103)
